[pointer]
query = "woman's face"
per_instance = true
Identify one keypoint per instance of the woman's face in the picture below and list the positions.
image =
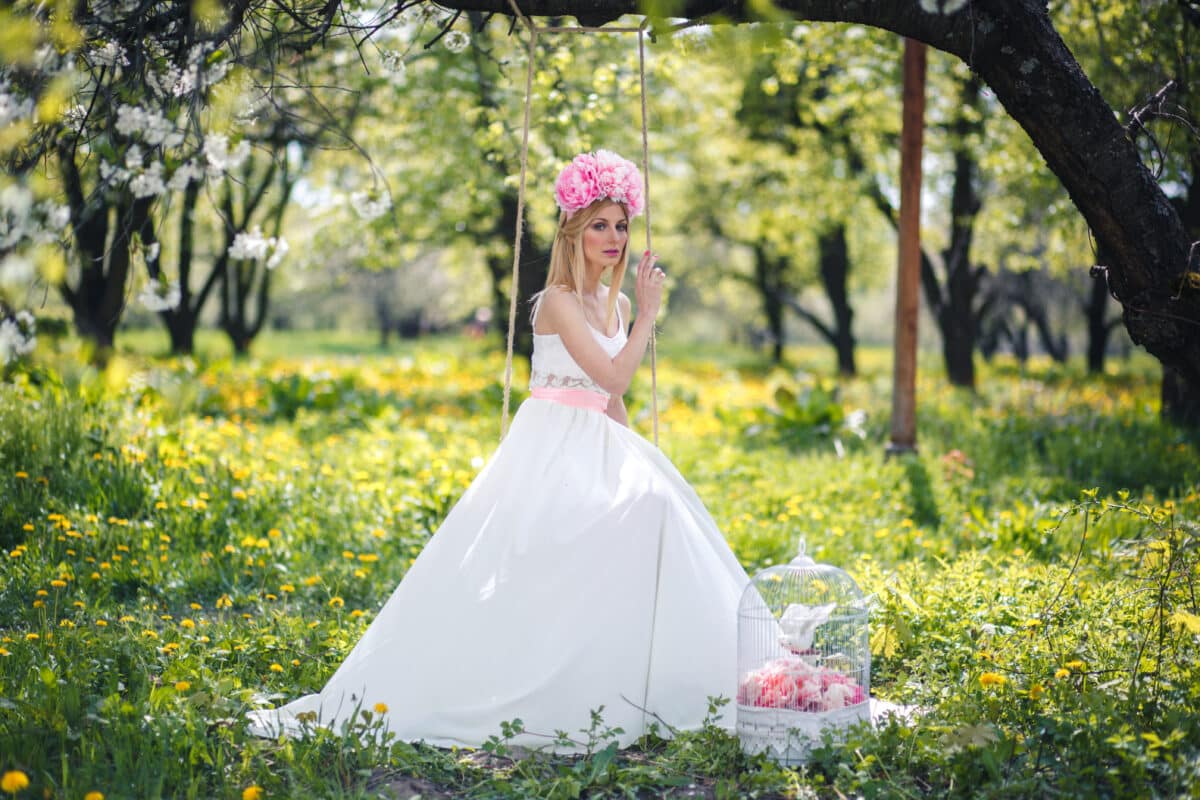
(605, 237)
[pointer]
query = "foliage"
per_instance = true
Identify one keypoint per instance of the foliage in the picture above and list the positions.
(185, 540)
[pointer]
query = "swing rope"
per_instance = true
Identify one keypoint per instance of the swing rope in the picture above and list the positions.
(514, 290)
(512, 306)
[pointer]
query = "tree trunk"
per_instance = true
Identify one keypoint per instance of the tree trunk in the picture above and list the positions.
(1099, 326)
(1013, 46)
(834, 260)
(770, 282)
(531, 280)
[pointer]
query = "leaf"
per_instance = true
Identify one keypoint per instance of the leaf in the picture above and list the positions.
(1185, 619)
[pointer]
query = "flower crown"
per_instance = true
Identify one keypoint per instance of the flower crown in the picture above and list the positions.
(595, 176)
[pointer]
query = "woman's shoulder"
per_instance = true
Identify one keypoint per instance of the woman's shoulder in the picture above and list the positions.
(550, 305)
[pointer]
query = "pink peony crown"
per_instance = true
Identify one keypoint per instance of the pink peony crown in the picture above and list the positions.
(595, 176)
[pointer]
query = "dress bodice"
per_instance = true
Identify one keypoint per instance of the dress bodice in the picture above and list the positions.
(553, 367)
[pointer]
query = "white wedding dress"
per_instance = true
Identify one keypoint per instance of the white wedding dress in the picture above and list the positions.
(541, 596)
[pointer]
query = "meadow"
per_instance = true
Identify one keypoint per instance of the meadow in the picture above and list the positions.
(185, 539)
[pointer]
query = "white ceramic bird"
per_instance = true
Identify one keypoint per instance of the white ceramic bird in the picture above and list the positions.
(798, 623)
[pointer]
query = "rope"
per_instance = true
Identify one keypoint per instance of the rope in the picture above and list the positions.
(515, 289)
(646, 181)
(534, 30)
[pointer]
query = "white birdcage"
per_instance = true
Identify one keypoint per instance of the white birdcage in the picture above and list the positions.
(804, 659)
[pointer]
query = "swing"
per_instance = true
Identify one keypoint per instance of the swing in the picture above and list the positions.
(534, 31)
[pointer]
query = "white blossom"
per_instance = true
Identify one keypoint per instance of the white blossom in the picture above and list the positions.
(456, 41)
(393, 64)
(16, 338)
(184, 174)
(220, 157)
(17, 269)
(152, 251)
(253, 246)
(158, 297)
(13, 108)
(369, 208)
(149, 182)
(280, 250)
(942, 6)
(110, 55)
(148, 124)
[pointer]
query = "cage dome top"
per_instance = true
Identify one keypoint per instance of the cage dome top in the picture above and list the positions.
(804, 582)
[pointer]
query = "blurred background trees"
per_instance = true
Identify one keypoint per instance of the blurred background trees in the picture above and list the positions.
(245, 165)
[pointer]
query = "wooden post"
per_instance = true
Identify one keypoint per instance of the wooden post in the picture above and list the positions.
(904, 364)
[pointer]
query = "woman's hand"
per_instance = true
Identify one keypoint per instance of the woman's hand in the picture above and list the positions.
(649, 286)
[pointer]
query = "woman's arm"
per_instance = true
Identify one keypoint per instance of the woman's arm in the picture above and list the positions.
(616, 409)
(564, 315)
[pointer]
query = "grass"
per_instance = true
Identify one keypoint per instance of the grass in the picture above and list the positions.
(184, 538)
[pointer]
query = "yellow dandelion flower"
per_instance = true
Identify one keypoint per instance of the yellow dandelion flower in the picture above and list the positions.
(381, 708)
(4, 652)
(182, 686)
(274, 533)
(1062, 672)
(14, 781)
(41, 593)
(195, 606)
(1075, 665)
(287, 587)
(39, 603)
(94, 796)
(22, 474)
(187, 623)
(356, 613)
(100, 623)
(27, 527)
(252, 793)
(1036, 691)
(276, 668)
(992, 679)
(295, 662)
(32, 637)
(125, 618)
(336, 602)
(57, 584)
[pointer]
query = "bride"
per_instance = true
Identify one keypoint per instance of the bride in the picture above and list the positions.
(579, 570)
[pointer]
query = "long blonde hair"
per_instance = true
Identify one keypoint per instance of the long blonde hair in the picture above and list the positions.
(567, 268)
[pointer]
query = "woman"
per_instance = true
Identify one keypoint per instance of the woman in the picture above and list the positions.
(579, 570)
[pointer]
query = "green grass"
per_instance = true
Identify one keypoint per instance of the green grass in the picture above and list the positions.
(183, 537)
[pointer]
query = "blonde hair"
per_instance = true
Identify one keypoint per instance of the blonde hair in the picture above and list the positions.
(567, 268)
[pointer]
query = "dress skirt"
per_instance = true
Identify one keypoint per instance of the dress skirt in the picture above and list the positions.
(578, 571)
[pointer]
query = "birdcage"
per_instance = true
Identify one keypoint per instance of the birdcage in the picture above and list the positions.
(804, 659)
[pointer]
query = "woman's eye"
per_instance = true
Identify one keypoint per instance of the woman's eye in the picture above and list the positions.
(622, 228)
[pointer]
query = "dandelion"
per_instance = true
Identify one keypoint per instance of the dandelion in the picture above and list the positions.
(187, 623)
(1036, 691)
(1075, 665)
(381, 708)
(1062, 672)
(94, 796)
(14, 781)
(182, 686)
(252, 793)
(992, 679)
(32, 637)
(336, 602)
(276, 668)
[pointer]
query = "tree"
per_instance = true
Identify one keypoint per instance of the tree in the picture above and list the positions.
(1013, 46)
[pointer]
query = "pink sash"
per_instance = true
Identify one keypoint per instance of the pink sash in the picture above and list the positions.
(576, 398)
